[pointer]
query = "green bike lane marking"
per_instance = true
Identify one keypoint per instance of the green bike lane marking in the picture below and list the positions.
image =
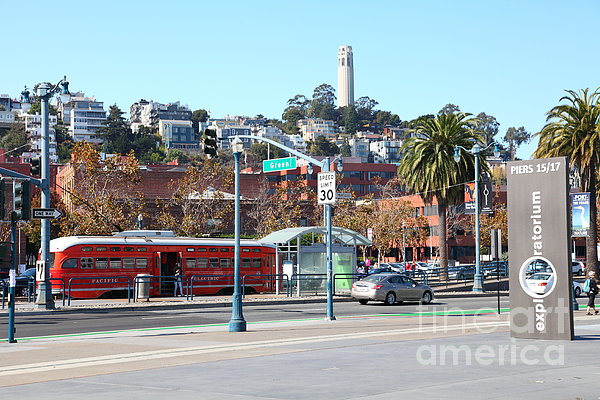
(447, 312)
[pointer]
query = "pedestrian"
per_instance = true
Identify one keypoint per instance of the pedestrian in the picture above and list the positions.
(591, 287)
(178, 279)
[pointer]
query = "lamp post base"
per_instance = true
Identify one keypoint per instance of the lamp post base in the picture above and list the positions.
(237, 325)
(478, 283)
(44, 299)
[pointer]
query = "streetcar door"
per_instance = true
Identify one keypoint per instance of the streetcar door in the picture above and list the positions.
(168, 263)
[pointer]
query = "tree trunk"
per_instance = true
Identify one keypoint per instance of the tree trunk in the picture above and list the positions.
(443, 228)
(591, 252)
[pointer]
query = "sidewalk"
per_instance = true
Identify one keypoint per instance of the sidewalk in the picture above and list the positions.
(373, 358)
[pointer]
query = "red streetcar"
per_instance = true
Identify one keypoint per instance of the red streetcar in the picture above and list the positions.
(103, 265)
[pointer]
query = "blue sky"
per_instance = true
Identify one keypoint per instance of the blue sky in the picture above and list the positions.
(509, 59)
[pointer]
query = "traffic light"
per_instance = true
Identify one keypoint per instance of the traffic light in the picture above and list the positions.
(23, 200)
(35, 166)
(210, 142)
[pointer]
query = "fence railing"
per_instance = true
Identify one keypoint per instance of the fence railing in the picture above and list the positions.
(88, 280)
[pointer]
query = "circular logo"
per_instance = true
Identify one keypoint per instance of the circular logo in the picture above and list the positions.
(537, 277)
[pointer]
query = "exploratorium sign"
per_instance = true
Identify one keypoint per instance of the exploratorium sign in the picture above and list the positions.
(539, 249)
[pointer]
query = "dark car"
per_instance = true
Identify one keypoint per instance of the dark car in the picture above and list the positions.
(462, 272)
(24, 282)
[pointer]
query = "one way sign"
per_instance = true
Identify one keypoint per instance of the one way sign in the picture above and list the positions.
(46, 213)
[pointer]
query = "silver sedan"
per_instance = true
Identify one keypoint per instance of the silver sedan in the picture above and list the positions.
(390, 288)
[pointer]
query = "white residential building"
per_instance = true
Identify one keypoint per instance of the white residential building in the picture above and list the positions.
(6, 119)
(386, 151)
(360, 148)
(84, 116)
(311, 128)
(33, 127)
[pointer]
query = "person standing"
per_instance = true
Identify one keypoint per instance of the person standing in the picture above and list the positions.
(591, 287)
(178, 279)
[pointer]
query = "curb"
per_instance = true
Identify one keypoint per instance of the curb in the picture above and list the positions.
(191, 305)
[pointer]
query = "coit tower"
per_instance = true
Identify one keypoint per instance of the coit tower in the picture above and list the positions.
(345, 76)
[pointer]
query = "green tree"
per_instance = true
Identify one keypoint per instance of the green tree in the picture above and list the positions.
(323, 147)
(515, 137)
(487, 126)
(36, 108)
(386, 118)
(429, 169)
(198, 116)
(115, 127)
(449, 109)
(365, 107)
(351, 124)
(322, 104)
(573, 130)
(345, 149)
(262, 151)
(15, 140)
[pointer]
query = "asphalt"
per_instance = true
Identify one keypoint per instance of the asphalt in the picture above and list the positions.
(374, 357)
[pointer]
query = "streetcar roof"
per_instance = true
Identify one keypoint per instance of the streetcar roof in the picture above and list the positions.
(63, 243)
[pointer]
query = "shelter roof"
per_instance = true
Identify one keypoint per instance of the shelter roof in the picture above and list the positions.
(344, 236)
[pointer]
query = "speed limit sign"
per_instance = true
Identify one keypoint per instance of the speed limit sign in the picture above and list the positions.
(326, 187)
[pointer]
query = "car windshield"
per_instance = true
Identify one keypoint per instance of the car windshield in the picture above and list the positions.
(375, 278)
(540, 277)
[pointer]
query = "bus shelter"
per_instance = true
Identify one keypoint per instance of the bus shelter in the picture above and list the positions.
(303, 255)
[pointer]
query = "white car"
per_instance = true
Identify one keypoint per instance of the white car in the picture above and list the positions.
(577, 267)
(541, 282)
(578, 288)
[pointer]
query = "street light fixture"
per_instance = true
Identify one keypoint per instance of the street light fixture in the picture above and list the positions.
(475, 150)
(237, 322)
(45, 91)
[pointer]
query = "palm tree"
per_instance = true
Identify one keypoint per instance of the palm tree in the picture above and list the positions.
(429, 169)
(573, 130)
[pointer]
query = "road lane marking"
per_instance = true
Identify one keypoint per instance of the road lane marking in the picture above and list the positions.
(188, 351)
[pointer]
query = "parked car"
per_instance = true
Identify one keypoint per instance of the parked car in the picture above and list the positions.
(398, 267)
(23, 282)
(538, 266)
(577, 267)
(390, 288)
(380, 270)
(540, 282)
(578, 288)
(462, 272)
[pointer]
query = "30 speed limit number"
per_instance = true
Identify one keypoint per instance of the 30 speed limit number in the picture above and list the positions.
(326, 187)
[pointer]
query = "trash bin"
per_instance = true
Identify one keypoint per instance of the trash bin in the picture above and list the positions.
(143, 286)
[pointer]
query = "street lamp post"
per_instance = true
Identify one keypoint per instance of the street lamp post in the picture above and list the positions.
(475, 150)
(237, 322)
(45, 91)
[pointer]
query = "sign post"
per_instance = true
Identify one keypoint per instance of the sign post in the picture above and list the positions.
(540, 255)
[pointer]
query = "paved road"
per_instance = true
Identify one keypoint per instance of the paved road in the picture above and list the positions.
(107, 319)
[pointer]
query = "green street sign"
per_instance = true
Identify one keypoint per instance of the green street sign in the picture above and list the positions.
(279, 164)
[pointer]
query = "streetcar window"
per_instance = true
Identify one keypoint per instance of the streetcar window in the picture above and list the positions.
(87, 263)
(190, 262)
(213, 250)
(141, 262)
(203, 262)
(256, 250)
(128, 248)
(225, 250)
(87, 248)
(115, 263)
(202, 249)
(214, 262)
(128, 262)
(70, 263)
(102, 263)
(245, 263)
(225, 263)
(256, 263)
(101, 248)
(190, 249)
(141, 249)
(245, 250)
(115, 249)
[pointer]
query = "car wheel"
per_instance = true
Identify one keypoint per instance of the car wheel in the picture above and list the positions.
(460, 277)
(390, 298)
(363, 301)
(577, 291)
(426, 299)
